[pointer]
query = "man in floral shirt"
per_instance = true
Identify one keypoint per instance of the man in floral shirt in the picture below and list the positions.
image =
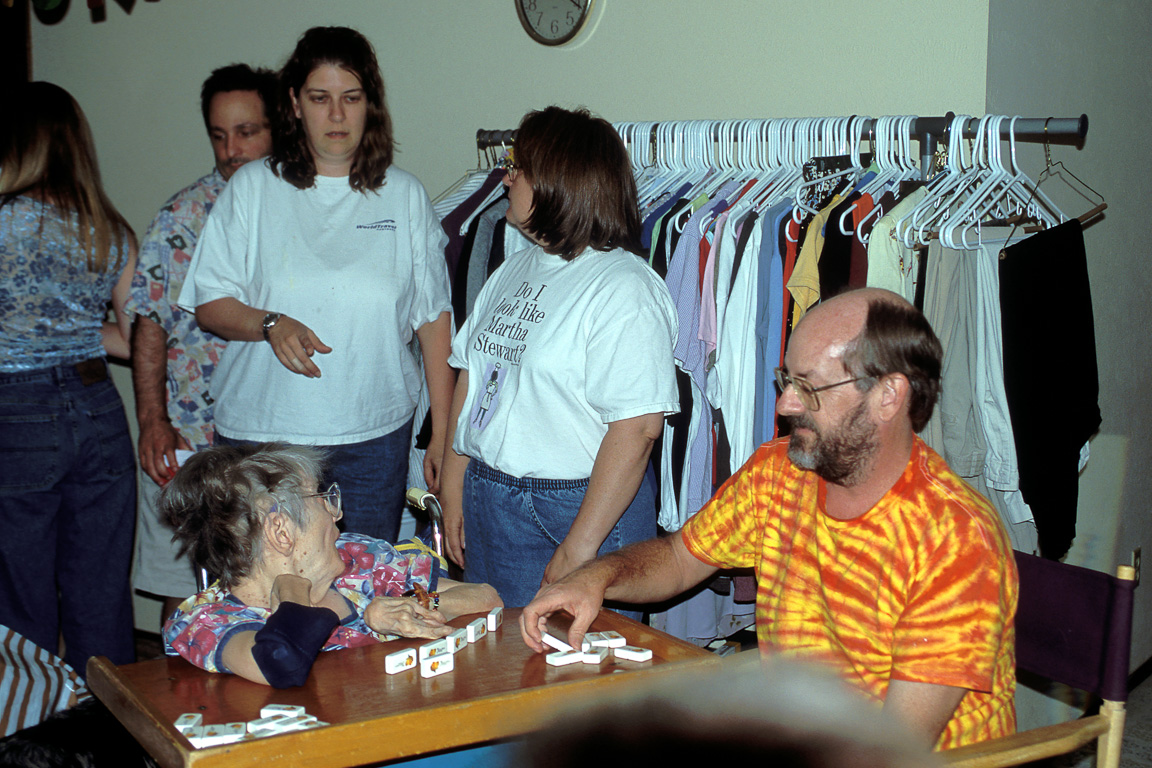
(172, 358)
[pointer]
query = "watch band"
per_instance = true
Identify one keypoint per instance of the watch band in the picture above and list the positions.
(270, 320)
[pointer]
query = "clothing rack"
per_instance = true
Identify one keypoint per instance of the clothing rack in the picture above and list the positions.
(927, 131)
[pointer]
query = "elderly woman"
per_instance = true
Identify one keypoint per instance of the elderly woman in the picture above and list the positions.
(290, 584)
(329, 258)
(566, 370)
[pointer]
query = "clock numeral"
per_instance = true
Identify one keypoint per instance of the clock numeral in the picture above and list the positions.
(530, 5)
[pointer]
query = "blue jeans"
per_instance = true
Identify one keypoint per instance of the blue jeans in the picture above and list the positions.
(373, 477)
(513, 525)
(67, 513)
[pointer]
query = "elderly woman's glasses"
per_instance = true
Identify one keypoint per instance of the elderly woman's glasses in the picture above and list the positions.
(331, 498)
(805, 391)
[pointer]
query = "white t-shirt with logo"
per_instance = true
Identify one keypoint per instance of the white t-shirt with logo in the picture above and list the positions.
(362, 270)
(556, 350)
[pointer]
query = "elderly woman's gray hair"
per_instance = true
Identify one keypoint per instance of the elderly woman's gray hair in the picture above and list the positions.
(218, 500)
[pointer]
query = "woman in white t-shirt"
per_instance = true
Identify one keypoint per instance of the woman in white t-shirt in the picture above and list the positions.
(328, 258)
(566, 371)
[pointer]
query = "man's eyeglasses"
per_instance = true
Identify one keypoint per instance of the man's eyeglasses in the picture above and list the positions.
(805, 391)
(331, 498)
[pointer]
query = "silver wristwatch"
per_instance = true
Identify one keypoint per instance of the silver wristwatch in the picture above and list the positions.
(270, 320)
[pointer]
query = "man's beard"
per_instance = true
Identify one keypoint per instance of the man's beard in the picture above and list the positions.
(842, 455)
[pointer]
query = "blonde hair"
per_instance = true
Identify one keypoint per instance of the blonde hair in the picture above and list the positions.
(47, 152)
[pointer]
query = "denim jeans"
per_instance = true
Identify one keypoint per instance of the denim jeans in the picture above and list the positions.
(67, 512)
(373, 477)
(513, 525)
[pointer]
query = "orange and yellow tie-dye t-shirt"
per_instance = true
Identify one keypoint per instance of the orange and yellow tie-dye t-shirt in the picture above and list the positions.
(922, 587)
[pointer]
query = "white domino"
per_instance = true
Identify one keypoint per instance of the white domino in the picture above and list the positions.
(437, 665)
(594, 655)
(632, 653)
(266, 723)
(555, 642)
(458, 640)
(596, 639)
(400, 661)
(564, 658)
(441, 647)
(297, 723)
(477, 629)
(495, 618)
(188, 721)
(613, 639)
(214, 735)
(288, 710)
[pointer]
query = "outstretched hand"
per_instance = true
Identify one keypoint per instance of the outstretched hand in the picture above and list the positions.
(581, 594)
(294, 344)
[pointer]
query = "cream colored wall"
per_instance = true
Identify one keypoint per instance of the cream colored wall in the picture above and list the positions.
(452, 66)
(1066, 58)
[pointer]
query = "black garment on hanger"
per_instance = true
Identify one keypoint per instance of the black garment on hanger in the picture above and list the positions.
(1046, 320)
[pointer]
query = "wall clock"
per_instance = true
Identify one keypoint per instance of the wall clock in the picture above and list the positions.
(554, 22)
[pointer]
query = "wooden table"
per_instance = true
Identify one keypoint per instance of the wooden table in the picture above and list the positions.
(499, 689)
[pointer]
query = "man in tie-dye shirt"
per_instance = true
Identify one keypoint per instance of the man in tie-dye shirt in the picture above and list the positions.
(172, 357)
(872, 557)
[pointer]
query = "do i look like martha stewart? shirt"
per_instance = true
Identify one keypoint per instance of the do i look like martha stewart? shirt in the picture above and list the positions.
(555, 350)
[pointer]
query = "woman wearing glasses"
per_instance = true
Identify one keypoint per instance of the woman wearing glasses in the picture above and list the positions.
(566, 371)
(323, 267)
(289, 583)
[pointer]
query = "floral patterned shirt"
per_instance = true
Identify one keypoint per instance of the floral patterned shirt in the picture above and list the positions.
(163, 263)
(204, 622)
(52, 307)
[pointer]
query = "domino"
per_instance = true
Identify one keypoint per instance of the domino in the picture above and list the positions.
(400, 661)
(632, 653)
(613, 639)
(477, 629)
(437, 665)
(187, 721)
(213, 735)
(594, 655)
(555, 642)
(266, 723)
(458, 640)
(441, 647)
(288, 710)
(495, 618)
(297, 723)
(564, 658)
(596, 639)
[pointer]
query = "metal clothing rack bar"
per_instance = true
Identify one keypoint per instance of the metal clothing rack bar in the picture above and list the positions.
(927, 130)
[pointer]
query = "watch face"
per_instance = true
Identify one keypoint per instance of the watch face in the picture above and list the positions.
(553, 22)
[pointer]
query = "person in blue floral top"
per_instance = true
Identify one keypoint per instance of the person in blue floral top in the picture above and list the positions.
(173, 358)
(289, 583)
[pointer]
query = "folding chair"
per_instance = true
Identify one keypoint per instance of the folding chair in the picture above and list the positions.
(1073, 626)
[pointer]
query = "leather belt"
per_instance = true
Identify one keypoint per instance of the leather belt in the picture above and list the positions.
(92, 371)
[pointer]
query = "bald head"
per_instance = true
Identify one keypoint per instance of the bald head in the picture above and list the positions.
(873, 333)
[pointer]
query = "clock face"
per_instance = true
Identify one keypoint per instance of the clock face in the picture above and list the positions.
(553, 22)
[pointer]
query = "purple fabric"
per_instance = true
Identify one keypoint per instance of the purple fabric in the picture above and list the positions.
(1074, 625)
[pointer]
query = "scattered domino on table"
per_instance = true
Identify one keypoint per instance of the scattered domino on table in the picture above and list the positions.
(288, 710)
(594, 655)
(458, 640)
(399, 661)
(476, 630)
(437, 665)
(187, 721)
(435, 648)
(563, 658)
(632, 653)
(495, 618)
(555, 642)
(612, 639)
